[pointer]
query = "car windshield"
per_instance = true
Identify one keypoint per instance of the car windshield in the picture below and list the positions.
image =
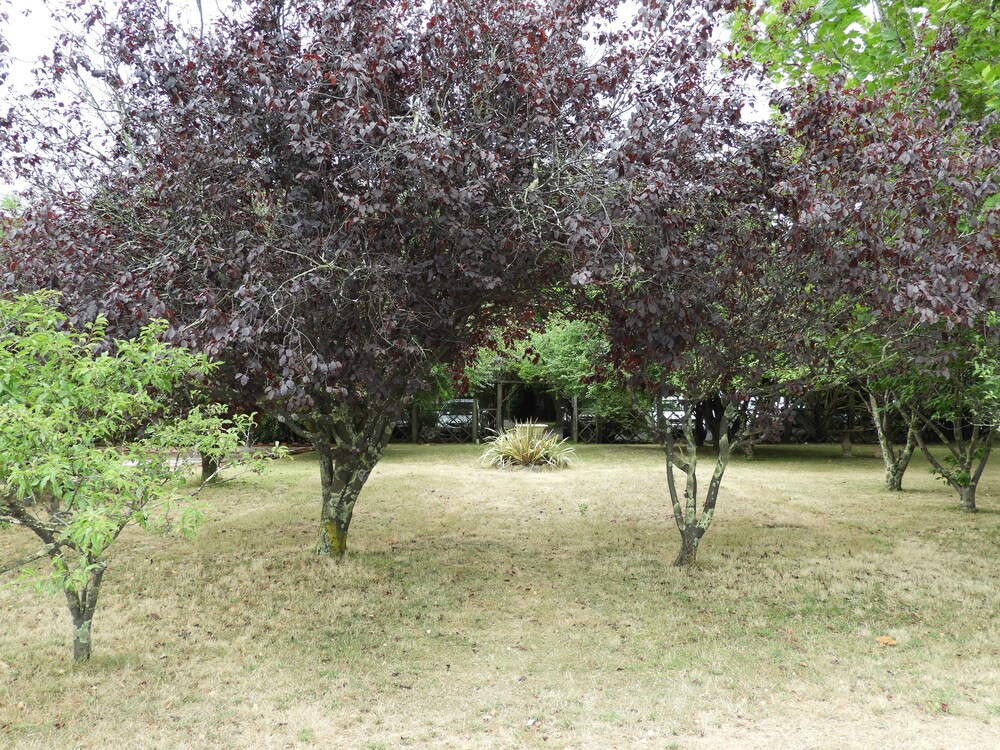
(457, 407)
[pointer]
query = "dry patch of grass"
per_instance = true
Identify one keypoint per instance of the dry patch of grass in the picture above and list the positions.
(485, 609)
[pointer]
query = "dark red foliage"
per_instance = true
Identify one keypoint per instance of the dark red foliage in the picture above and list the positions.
(323, 195)
(892, 190)
(329, 196)
(761, 250)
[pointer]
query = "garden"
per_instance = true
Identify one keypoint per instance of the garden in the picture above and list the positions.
(500, 374)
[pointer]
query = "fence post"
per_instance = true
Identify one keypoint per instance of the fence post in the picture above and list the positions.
(475, 420)
(414, 423)
(576, 420)
(499, 406)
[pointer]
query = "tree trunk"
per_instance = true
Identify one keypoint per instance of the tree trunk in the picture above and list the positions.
(893, 477)
(690, 537)
(82, 605)
(209, 468)
(895, 464)
(339, 498)
(967, 498)
(846, 447)
(348, 449)
(81, 639)
(343, 474)
(692, 525)
(895, 469)
(718, 428)
(700, 431)
(969, 458)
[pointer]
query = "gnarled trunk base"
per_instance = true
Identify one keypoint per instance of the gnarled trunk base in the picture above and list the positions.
(893, 480)
(332, 540)
(689, 548)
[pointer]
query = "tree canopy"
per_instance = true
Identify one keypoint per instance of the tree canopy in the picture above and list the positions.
(331, 196)
(952, 47)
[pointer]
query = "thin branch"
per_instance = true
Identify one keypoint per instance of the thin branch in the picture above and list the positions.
(45, 551)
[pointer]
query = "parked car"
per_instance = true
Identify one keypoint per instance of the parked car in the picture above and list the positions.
(455, 418)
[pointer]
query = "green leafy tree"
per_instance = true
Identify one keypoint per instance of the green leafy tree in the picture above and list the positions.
(905, 191)
(868, 354)
(91, 442)
(565, 358)
(937, 380)
(949, 45)
(954, 402)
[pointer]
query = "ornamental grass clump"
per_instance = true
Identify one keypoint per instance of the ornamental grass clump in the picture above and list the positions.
(527, 445)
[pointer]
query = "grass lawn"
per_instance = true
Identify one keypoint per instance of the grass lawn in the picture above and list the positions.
(506, 609)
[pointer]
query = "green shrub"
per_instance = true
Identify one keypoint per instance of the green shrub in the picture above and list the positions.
(527, 445)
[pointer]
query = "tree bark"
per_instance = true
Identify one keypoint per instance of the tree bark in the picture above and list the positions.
(341, 486)
(969, 458)
(82, 605)
(209, 468)
(344, 469)
(896, 467)
(691, 525)
(967, 498)
(846, 447)
(895, 463)
(688, 553)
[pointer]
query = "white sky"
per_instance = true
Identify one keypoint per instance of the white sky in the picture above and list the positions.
(30, 33)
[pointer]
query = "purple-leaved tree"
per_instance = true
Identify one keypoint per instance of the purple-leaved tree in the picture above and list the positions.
(330, 196)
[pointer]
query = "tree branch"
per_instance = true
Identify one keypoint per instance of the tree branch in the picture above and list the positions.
(45, 551)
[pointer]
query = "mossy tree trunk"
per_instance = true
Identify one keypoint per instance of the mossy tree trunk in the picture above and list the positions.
(969, 447)
(347, 455)
(691, 524)
(342, 476)
(894, 460)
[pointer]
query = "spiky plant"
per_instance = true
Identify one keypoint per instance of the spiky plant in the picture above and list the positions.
(527, 445)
